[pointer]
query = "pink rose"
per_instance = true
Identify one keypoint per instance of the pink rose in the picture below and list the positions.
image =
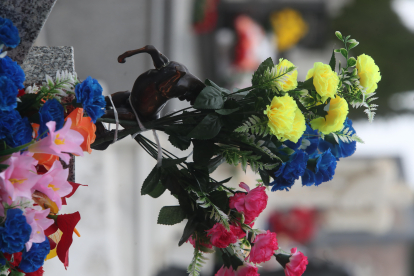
(297, 263)
(220, 237)
(250, 204)
(264, 246)
(200, 242)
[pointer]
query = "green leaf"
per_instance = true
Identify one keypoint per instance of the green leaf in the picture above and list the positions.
(268, 63)
(208, 128)
(3, 167)
(221, 89)
(180, 142)
(351, 62)
(308, 84)
(332, 62)
(16, 273)
(235, 262)
(169, 162)
(215, 162)
(288, 151)
(16, 149)
(209, 98)
(353, 45)
(344, 52)
(189, 229)
(170, 215)
(227, 111)
(158, 190)
(339, 35)
(203, 151)
(220, 199)
(151, 181)
(265, 177)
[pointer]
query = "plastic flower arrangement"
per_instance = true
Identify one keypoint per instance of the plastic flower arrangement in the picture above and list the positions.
(37, 136)
(284, 129)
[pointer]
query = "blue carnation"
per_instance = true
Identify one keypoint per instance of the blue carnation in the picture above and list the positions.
(13, 71)
(89, 93)
(289, 171)
(14, 129)
(341, 149)
(9, 35)
(52, 110)
(15, 232)
(322, 168)
(308, 142)
(35, 257)
(8, 94)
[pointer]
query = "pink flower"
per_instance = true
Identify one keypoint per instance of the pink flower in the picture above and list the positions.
(39, 222)
(244, 270)
(19, 178)
(297, 263)
(63, 140)
(220, 237)
(225, 271)
(264, 247)
(237, 231)
(247, 270)
(250, 204)
(201, 243)
(54, 183)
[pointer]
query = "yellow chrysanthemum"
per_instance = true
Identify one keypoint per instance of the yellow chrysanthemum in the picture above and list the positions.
(368, 73)
(286, 121)
(286, 82)
(324, 79)
(334, 120)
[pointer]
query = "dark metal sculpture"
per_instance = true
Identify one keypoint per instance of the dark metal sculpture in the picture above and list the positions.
(151, 91)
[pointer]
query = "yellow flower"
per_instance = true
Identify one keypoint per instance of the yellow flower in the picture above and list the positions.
(286, 121)
(324, 79)
(286, 82)
(368, 73)
(334, 120)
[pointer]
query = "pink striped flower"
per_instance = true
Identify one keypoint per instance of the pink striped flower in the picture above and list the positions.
(220, 237)
(264, 247)
(19, 178)
(60, 142)
(297, 263)
(54, 183)
(39, 222)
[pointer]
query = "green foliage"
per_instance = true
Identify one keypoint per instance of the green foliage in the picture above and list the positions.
(195, 266)
(346, 136)
(158, 190)
(169, 162)
(151, 181)
(208, 128)
(265, 65)
(216, 213)
(170, 215)
(203, 151)
(227, 111)
(189, 229)
(209, 98)
(255, 125)
(332, 62)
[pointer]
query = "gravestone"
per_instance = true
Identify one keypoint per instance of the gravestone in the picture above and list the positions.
(29, 17)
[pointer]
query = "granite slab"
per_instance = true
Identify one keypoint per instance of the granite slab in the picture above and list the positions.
(28, 16)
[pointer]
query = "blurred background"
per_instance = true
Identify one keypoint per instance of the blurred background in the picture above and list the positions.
(359, 224)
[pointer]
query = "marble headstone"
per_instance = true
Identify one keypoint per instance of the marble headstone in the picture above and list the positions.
(28, 16)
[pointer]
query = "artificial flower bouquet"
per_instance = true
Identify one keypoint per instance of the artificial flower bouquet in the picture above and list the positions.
(40, 127)
(282, 128)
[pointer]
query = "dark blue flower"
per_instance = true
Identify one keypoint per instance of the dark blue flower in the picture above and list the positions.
(342, 149)
(14, 129)
(8, 94)
(289, 171)
(89, 93)
(2, 261)
(9, 35)
(13, 71)
(321, 168)
(52, 110)
(308, 142)
(15, 232)
(34, 259)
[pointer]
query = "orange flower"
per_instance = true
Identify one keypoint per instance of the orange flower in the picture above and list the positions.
(45, 159)
(84, 126)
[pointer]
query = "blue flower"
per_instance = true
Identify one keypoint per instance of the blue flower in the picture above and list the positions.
(8, 94)
(15, 232)
(289, 171)
(13, 71)
(89, 93)
(322, 168)
(52, 110)
(308, 142)
(342, 149)
(9, 35)
(14, 129)
(34, 259)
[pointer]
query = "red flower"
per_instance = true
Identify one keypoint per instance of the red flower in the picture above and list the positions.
(38, 272)
(200, 242)
(250, 204)
(237, 231)
(297, 263)
(247, 270)
(75, 187)
(225, 271)
(220, 237)
(264, 247)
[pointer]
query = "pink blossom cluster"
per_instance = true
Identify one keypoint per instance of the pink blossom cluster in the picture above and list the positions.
(20, 182)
